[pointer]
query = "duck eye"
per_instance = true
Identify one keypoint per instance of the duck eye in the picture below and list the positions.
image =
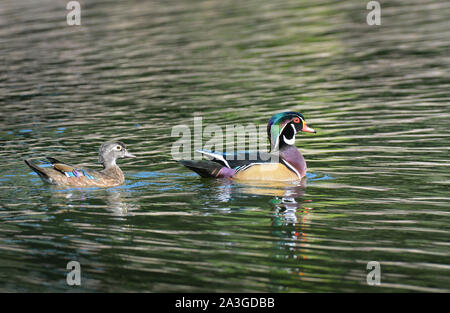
(296, 120)
(119, 148)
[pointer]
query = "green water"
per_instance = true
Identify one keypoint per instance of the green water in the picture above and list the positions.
(378, 182)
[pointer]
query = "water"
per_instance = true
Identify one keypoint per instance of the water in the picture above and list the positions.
(378, 181)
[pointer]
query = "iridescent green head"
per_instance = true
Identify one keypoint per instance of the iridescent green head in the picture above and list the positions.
(282, 128)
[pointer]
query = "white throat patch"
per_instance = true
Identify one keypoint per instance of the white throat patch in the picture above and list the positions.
(292, 140)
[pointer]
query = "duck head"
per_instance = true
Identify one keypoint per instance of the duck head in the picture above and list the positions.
(111, 151)
(282, 128)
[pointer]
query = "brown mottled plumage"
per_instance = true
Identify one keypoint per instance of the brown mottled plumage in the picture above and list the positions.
(66, 175)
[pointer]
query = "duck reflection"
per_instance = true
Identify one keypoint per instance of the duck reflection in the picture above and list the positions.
(276, 189)
(225, 188)
(290, 219)
(290, 224)
(116, 200)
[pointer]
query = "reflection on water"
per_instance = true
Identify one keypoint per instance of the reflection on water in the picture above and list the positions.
(377, 187)
(290, 223)
(115, 200)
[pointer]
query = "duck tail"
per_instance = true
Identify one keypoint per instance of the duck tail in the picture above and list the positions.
(38, 170)
(206, 168)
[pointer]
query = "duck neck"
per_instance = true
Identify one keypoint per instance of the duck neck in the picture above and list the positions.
(113, 171)
(294, 158)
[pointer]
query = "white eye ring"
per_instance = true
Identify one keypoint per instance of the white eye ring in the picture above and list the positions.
(118, 148)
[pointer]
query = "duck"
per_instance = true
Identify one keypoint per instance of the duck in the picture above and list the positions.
(283, 163)
(63, 174)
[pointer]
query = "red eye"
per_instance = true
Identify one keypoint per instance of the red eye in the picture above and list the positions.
(296, 120)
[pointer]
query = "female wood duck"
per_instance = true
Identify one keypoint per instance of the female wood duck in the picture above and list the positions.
(66, 175)
(283, 163)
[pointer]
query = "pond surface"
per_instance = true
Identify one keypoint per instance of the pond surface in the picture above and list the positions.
(378, 182)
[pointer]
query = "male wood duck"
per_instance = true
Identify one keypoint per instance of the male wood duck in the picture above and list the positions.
(283, 163)
(66, 175)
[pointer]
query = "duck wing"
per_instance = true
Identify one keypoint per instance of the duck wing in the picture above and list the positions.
(68, 170)
(239, 160)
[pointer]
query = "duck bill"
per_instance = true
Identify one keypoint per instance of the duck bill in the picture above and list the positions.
(307, 129)
(128, 155)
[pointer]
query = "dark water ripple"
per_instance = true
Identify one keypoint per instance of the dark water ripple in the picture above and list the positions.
(378, 183)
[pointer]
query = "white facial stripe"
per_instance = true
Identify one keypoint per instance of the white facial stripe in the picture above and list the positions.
(289, 141)
(293, 127)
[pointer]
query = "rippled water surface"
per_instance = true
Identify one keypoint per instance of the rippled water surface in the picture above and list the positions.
(378, 181)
